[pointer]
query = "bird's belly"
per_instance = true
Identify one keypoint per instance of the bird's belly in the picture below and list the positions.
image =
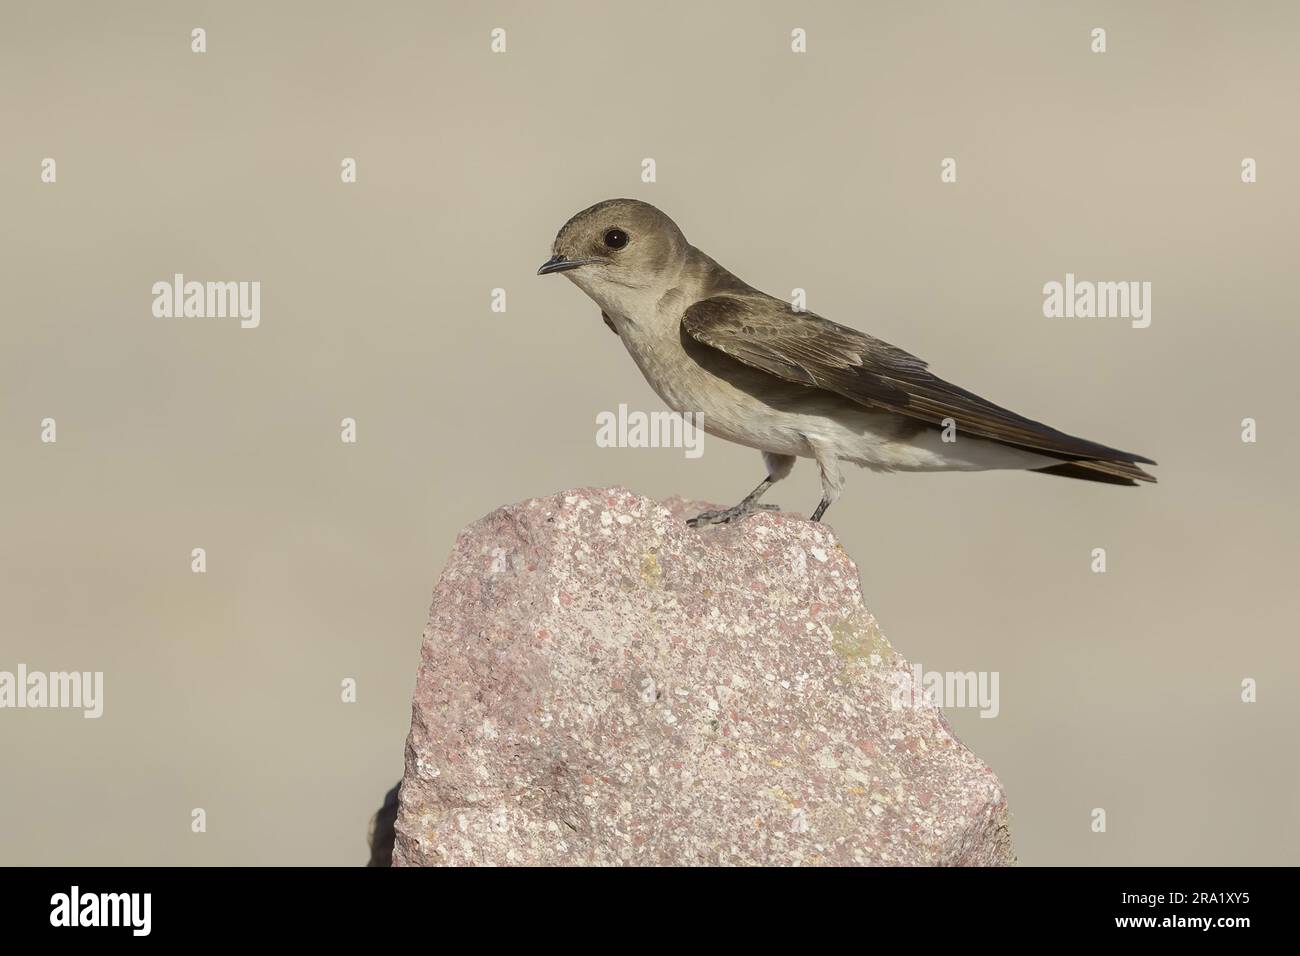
(729, 405)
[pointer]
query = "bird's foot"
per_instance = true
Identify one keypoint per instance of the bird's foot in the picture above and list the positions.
(726, 516)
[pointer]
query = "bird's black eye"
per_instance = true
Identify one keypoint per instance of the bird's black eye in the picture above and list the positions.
(616, 238)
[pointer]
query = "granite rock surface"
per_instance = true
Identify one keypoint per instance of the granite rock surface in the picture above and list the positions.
(600, 684)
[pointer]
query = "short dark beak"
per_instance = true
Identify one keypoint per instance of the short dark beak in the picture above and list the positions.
(562, 264)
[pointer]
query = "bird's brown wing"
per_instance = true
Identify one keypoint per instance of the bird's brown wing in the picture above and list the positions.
(801, 347)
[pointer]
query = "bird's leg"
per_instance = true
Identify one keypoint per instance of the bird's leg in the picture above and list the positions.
(832, 480)
(778, 466)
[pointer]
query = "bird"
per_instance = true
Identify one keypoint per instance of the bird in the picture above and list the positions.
(787, 382)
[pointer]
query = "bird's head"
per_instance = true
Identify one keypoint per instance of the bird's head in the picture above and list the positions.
(617, 244)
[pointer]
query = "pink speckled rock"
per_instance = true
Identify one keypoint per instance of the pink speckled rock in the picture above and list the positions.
(600, 684)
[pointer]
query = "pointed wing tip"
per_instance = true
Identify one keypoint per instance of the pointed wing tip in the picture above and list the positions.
(1109, 472)
(1141, 473)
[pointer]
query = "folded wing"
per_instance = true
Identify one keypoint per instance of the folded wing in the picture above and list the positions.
(801, 347)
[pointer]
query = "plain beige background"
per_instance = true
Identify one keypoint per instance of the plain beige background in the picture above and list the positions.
(820, 171)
